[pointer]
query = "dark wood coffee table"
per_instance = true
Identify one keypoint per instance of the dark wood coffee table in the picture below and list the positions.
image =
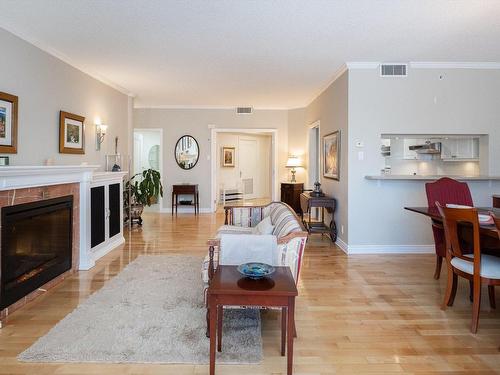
(228, 287)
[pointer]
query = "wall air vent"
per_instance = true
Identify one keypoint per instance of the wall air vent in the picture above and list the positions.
(393, 70)
(244, 110)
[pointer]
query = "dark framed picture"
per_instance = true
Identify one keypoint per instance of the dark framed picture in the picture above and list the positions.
(71, 133)
(331, 155)
(8, 123)
(228, 156)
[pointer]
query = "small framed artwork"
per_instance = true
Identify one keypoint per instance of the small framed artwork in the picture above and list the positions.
(71, 133)
(228, 154)
(331, 155)
(8, 123)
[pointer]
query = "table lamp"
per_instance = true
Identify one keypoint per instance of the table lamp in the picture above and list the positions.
(293, 162)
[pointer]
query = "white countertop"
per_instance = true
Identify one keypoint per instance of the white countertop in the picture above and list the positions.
(431, 177)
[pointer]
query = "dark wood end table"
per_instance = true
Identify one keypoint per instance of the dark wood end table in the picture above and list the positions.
(229, 288)
(186, 189)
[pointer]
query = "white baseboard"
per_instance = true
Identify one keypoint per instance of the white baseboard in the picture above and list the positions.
(390, 249)
(343, 246)
(186, 210)
(107, 247)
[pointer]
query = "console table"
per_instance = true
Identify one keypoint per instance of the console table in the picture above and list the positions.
(185, 189)
(307, 202)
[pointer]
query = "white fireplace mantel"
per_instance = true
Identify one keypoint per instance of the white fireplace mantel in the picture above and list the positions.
(20, 177)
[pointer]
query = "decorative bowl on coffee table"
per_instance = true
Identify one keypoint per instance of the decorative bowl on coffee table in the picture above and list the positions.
(255, 270)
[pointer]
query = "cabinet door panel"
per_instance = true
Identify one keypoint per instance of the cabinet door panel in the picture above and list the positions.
(114, 209)
(97, 216)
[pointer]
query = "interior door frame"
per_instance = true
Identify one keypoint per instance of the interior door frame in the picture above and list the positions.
(213, 159)
(159, 130)
(317, 125)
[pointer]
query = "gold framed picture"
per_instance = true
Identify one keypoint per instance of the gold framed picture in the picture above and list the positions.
(331, 155)
(71, 133)
(228, 154)
(8, 123)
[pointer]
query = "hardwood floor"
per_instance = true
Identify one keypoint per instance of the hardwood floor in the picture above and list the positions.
(365, 314)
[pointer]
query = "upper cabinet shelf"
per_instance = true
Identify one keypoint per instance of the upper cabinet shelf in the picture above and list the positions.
(460, 149)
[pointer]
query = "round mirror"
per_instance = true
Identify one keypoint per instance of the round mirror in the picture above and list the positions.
(186, 152)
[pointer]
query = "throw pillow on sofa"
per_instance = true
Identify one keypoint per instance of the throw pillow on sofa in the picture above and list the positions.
(264, 227)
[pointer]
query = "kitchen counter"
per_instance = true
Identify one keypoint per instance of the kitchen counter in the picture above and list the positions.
(431, 178)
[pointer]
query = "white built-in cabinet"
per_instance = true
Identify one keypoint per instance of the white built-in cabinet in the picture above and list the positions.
(106, 213)
(459, 149)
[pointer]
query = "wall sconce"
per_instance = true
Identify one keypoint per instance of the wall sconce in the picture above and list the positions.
(293, 162)
(100, 132)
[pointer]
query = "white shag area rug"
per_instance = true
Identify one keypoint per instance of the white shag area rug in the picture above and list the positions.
(152, 312)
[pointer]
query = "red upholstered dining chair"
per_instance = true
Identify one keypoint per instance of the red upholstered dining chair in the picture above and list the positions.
(476, 267)
(445, 191)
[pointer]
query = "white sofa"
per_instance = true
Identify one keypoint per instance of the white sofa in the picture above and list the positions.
(288, 228)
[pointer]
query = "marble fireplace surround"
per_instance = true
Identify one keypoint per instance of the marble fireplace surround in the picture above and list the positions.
(23, 184)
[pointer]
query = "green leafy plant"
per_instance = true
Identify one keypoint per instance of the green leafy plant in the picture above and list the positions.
(146, 190)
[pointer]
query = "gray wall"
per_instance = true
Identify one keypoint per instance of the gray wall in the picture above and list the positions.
(331, 109)
(178, 122)
(464, 101)
(45, 85)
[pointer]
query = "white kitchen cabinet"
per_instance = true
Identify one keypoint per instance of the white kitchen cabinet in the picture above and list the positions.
(460, 149)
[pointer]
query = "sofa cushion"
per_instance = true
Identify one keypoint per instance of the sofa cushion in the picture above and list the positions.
(233, 229)
(264, 227)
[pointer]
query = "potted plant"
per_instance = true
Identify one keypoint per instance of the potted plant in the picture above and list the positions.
(145, 187)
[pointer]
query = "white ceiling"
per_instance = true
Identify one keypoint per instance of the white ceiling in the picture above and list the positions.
(267, 54)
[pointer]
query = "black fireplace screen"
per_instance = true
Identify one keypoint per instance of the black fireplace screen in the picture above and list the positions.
(36, 246)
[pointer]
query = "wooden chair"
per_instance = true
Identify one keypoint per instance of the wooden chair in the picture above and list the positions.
(445, 190)
(478, 268)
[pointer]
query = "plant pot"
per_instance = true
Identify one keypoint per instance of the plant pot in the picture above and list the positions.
(135, 212)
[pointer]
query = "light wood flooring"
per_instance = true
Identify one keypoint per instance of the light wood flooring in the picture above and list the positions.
(365, 314)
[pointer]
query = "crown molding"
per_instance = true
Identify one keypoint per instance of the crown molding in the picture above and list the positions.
(362, 64)
(60, 56)
(335, 76)
(213, 107)
(454, 65)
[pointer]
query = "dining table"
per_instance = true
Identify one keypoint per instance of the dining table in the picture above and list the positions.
(490, 236)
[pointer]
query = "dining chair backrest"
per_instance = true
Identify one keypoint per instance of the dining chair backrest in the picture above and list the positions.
(452, 218)
(447, 190)
(496, 219)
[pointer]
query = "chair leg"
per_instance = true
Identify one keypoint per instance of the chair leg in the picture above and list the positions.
(476, 305)
(439, 263)
(491, 293)
(451, 289)
(471, 293)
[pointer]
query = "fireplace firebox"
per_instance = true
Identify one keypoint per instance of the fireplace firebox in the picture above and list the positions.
(36, 246)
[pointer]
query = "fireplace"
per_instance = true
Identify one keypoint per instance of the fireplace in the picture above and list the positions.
(36, 246)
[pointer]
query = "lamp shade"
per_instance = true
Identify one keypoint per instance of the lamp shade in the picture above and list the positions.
(293, 162)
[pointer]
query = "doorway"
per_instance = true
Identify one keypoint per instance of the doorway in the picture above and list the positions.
(148, 153)
(314, 155)
(252, 175)
(314, 162)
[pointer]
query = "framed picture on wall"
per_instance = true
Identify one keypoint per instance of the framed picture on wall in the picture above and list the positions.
(228, 154)
(331, 155)
(71, 133)
(8, 123)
